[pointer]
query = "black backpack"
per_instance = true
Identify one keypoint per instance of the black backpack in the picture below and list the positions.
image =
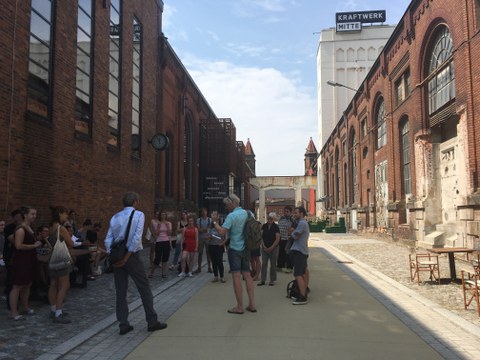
(292, 290)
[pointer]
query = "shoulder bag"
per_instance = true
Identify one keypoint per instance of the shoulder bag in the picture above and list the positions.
(119, 249)
(60, 258)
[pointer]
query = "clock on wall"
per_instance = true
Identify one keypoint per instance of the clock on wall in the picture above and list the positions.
(160, 141)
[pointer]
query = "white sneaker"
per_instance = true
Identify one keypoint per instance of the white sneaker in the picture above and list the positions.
(190, 274)
(182, 274)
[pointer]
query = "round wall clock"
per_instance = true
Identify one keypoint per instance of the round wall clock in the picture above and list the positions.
(160, 141)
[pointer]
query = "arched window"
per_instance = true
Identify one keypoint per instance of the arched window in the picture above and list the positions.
(405, 154)
(381, 124)
(188, 158)
(168, 167)
(327, 187)
(350, 55)
(361, 54)
(337, 177)
(353, 166)
(441, 86)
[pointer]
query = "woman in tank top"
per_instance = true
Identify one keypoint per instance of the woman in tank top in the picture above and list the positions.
(190, 246)
(23, 264)
(161, 229)
(178, 245)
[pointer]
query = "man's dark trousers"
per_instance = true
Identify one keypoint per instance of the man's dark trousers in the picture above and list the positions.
(134, 267)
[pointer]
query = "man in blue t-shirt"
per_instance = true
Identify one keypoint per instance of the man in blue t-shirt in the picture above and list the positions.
(299, 254)
(238, 258)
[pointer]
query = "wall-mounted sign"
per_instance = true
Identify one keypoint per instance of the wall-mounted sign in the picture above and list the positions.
(215, 187)
(352, 21)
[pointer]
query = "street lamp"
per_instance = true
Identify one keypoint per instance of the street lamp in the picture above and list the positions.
(336, 84)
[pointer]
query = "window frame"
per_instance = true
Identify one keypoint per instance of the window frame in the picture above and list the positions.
(381, 124)
(137, 97)
(114, 138)
(441, 72)
(34, 102)
(80, 116)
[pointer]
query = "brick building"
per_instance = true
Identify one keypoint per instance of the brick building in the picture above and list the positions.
(84, 86)
(404, 158)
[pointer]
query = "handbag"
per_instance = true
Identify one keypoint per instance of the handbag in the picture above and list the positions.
(119, 249)
(60, 258)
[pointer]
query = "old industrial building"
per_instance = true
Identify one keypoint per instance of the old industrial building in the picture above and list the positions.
(403, 159)
(84, 87)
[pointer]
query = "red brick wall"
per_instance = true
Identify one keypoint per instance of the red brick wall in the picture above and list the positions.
(49, 163)
(408, 47)
(46, 163)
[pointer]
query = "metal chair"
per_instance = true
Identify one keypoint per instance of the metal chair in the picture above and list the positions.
(424, 262)
(470, 286)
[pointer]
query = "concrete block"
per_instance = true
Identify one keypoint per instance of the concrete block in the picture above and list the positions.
(419, 215)
(473, 228)
(465, 214)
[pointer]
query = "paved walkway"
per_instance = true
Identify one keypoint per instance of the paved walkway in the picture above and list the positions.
(355, 311)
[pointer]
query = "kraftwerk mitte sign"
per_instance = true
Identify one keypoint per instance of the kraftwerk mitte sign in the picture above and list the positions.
(352, 21)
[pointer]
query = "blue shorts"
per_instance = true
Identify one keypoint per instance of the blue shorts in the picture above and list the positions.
(238, 260)
(299, 262)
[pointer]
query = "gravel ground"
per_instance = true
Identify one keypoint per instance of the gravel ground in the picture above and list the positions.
(391, 259)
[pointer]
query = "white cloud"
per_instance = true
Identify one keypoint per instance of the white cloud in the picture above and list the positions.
(267, 106)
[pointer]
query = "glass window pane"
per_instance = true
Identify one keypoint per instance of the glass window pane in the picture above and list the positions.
(85, 22)
(112, 101)
(135, 118)
(113, 85)
(40, 28)
(39, 52)
(43, 7)
(112, 119)
(136, 87)
(86, 5)
(135, 102)
(83, 37)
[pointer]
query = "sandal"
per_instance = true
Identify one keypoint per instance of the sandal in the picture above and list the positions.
(252, 310)
(235, 311)
(18, 317)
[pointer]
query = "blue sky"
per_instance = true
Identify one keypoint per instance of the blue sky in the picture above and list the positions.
(255, 62)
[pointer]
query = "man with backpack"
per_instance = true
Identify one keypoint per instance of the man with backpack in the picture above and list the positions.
(299, 254)
(238, 257)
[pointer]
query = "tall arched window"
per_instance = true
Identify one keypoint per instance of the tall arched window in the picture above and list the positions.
(380, 120)
(353, 166)
(405, 161)
(40, 57)
(168, 167)
(188, 158)
(441, 86)
(337, 176)
(327, 187)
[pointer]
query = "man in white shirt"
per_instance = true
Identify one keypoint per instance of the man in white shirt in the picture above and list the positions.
(131, 264)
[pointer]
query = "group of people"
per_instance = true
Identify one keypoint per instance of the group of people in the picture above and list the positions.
(191, 238)
(23, 250)
(284, 246)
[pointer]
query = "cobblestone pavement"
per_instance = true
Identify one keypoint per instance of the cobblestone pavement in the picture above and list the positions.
(92, 310)
(391, 259)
